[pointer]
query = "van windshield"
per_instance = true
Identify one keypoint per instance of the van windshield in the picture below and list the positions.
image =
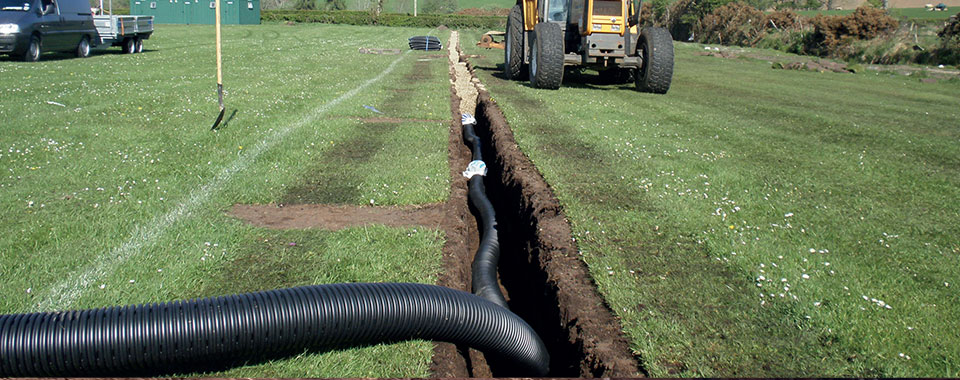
(14, 5)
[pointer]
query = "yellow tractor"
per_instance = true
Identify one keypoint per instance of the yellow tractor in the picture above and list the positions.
(544, 36)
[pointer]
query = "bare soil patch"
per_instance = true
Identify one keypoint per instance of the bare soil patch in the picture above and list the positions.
(337, 217)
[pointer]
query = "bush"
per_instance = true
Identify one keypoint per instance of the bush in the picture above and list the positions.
(731, 24)
(831, 33)
(305, 5)
(384, 19)
(684, 17)
(781, 20)
(646, 14)
(439, 6)
(949, 50)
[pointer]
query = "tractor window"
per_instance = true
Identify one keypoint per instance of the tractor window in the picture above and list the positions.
(607, 8)
(557, 10)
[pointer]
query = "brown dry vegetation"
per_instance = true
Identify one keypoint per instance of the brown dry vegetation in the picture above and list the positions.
(732, 24)
(865, 23)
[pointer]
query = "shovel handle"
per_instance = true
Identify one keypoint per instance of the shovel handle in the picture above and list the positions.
(219, 70)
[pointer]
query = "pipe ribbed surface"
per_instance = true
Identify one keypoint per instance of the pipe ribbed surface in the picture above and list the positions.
(485, 261)
(167, 338)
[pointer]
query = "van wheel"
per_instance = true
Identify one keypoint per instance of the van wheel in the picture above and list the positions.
(139, 45)
(33, 50)
(129, 46)
(83, 48)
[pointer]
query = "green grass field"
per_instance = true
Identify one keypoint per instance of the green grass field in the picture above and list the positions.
(907, 13)
(757, 222)
(115, 191)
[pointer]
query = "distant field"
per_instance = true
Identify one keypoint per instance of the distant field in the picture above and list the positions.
(115, 191)
(756, 222)
(406, 6)
(910, 13)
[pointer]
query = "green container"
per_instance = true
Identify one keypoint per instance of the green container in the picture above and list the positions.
(197, 12)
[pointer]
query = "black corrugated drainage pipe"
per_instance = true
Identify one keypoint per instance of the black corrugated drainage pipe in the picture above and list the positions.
(484, 267)
(183, 336)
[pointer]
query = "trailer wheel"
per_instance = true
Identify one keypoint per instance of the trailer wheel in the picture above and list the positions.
(129, 46)
(546, 59)
(655, 74)
(83, 48)
(513, 66)
(33, 50)
(139, 45)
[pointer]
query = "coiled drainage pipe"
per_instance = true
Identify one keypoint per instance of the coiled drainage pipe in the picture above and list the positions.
(182, 336)
(484, 267)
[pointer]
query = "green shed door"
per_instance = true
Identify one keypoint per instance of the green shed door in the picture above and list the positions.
(231, 11)
(250, 12)
(201, 11)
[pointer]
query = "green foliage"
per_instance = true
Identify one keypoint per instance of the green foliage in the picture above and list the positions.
(438, 6)
(305, 5)
(385, 19)
(875, 3)
(335, 5)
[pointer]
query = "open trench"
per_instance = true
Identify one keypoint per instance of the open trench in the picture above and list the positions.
(543, 280)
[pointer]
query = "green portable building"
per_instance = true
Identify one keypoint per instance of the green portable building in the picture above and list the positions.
(197, 12)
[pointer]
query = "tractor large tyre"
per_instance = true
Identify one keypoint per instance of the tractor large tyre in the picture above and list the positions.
(546, 58)
(656, 49)
(513, 66)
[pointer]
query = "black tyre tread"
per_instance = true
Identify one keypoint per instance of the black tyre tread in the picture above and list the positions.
(128, 47)
(657, 71)
(548, 45)
(513, 67)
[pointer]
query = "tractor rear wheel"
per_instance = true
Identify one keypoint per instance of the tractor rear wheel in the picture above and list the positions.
(656, 49)
(546, 59)
(513, 66)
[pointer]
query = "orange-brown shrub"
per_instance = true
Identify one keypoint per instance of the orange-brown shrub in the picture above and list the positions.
(731, 24)
(784, 19)
(833, 32)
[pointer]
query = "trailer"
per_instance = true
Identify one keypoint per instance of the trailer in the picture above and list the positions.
(125, 31)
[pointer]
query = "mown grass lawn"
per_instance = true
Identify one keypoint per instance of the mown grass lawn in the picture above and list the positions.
(115, 191)
(759, 222)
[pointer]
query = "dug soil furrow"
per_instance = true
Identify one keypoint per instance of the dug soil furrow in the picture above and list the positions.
(542, 277)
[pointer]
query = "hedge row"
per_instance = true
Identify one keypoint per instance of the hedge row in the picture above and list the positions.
(385, 19)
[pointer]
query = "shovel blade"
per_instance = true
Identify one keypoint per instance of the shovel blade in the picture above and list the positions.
(219, 119)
